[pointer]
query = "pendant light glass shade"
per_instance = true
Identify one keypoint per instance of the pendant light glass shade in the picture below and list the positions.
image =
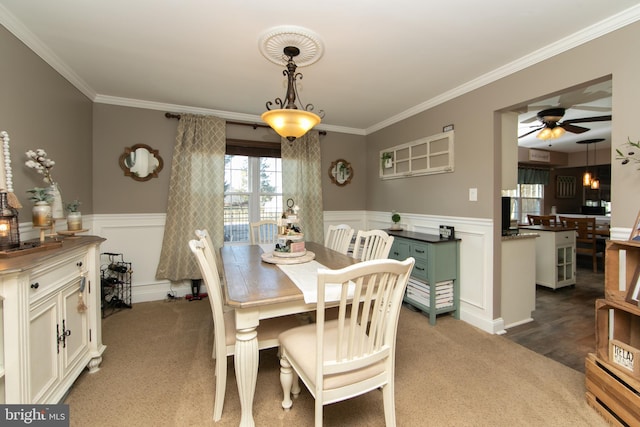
(586, 179)
(290, 123)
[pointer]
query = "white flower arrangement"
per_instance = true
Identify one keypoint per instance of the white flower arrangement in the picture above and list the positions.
(38, 160)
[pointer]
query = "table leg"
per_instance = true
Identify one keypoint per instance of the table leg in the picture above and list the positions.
(246, 364)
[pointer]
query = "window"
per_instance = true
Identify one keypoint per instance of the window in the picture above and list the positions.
(525, 200)
(252, 192)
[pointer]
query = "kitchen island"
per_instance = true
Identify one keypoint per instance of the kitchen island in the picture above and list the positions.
(518, 278)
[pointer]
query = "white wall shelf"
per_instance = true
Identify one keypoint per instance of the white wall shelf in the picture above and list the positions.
(425, 156)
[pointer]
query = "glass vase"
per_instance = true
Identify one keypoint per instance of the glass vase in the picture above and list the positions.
(57, 210)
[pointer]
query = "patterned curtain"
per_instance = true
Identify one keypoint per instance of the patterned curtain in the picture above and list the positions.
(196, 194)
(301, 181)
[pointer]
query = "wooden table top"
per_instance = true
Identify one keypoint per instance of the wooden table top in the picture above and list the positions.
(250, 282)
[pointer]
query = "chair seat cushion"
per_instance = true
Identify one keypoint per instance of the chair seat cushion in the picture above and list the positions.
(299, 345)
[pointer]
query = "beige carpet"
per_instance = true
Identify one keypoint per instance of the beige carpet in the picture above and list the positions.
(158, 371)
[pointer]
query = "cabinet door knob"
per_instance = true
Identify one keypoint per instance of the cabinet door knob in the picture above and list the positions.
(79, 263)
(35, 285)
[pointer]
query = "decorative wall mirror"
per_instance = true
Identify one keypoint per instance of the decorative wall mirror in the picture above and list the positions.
(340, 172)
(141, 162)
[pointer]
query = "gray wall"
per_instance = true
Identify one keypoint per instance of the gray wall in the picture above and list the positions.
(41, 109)
(117, 127)
(477, 144)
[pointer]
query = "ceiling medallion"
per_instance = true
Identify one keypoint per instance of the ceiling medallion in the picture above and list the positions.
(273, 41)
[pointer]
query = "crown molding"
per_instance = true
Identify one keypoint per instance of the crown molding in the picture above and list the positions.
(601, 28)
(23, 34)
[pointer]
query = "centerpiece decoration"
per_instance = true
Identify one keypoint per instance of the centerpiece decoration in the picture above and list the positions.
(39, 161)
(290, 241)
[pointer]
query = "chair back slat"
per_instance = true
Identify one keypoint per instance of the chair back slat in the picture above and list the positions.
(369, 307)
(586, 237)
(339, 238)
(372, 244)
(548, 220)
(211, 279)
(265, 231)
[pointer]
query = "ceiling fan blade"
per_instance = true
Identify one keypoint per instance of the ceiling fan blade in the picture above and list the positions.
(530, 132)
(573, 99)
(573, 129)
(589, 119)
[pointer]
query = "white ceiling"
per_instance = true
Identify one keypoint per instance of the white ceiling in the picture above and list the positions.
(382, 61)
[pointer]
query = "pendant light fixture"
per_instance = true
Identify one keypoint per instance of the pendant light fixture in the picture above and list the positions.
(291, 120)
(587, 177)
(595, 182)
(289, 117)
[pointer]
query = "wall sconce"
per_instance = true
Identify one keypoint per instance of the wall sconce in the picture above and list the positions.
(9, 226)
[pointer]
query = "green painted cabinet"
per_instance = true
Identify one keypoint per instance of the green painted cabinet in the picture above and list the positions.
(434, 287)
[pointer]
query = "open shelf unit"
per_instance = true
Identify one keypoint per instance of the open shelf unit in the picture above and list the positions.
(612, 374)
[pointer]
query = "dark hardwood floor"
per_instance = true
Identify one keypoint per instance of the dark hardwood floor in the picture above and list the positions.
(563, 326)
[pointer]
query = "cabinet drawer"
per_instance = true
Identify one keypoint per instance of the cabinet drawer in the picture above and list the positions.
(420, 270)
(419, 252)
(399, 250)
(45, 279)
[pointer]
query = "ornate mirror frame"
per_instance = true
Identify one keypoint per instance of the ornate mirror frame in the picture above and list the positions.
(144, 170)
(340, 172)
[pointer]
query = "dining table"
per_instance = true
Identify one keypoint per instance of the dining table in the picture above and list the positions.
(257, 289)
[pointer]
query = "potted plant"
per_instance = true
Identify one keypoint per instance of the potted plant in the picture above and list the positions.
(41, 211)
(74, 216)
(387, 160)
(395, 217)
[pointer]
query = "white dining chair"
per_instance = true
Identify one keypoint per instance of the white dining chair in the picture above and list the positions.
(339, 238)
(355, 353)
(372, 244)
(224, 335)
(265, 231)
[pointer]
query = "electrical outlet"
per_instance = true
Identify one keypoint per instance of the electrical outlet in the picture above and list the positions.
(447, 128)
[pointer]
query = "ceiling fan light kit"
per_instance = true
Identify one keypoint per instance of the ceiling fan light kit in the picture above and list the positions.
(552, 128)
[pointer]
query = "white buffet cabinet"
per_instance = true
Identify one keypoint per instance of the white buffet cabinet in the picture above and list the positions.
(46, 340)
(555, 255)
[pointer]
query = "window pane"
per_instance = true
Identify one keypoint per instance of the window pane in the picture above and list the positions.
(244, 205)
(236, 218)
(236, 174)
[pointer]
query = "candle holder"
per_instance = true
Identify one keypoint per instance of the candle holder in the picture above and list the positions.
(9, 226)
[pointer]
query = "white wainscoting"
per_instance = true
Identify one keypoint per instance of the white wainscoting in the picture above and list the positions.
(139, 238)
(476, 256)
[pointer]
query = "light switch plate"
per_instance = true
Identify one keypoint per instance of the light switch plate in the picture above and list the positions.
(447, 128)
(473, 194)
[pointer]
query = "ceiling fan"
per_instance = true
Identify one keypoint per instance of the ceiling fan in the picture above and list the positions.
(551, 117)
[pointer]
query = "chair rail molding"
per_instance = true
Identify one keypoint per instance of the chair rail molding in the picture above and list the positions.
(139, 237)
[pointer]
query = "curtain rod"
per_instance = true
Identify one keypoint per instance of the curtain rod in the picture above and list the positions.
(253, 125)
